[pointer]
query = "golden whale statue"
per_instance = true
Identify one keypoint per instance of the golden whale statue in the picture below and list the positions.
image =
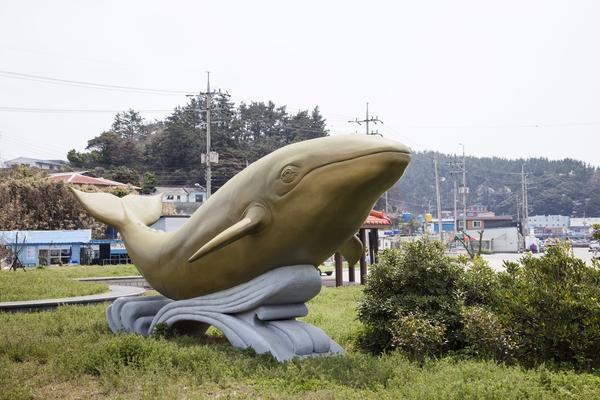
(295, 206)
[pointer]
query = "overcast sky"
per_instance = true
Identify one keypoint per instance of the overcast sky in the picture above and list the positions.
(513, 79)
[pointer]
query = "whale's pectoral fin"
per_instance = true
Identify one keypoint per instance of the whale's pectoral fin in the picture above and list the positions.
(256, 220)
(352, 250)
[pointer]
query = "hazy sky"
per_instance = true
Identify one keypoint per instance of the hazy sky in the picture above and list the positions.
(512, 79)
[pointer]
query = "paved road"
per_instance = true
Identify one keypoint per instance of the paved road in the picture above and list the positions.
(495, 260)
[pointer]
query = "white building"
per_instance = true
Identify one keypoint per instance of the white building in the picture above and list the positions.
(549, 225)
(181, 194)
(46, 165)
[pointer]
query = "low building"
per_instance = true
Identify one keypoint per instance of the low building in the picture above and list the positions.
(46, 165)
(181, 194)
(583, 225)
(63, 247)
(48, 247)
(169, 223)
(500, 233)
(185, 199)
(546, 226)
(488, 222)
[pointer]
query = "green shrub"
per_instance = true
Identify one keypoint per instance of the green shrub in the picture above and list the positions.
(485, 335)
(550, 306)
(416, 335)
(418, 278)
(479, 284)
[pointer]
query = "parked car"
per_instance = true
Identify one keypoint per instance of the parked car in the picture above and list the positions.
(594, 245)
(327, 267)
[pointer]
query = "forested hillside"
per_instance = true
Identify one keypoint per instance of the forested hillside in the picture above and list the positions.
(566, 187)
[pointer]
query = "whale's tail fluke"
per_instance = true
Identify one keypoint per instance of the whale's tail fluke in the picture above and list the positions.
(117, 212)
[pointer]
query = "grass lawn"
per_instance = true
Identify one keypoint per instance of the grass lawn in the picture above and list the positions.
(71, 354)
(56, 282)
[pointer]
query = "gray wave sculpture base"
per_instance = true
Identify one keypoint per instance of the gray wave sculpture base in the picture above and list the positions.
(260, 314)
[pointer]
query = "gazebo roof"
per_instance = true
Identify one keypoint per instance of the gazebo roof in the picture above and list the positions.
(377, 220)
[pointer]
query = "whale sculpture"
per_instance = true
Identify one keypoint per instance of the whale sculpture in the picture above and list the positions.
(295, 206)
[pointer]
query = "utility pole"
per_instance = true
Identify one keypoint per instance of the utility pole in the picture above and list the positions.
(367, 120)
(439, 202)
(462, 189)
(211, 157)
(208, 171)
(525, 225)
(455, 227)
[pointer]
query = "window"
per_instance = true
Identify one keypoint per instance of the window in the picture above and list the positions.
(170, 197)
(178, 198)
(198, 198)
(54, 256)
(477, 224)
(460, 224)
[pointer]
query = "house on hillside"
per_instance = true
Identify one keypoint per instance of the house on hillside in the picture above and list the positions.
(46, 165)
(86, 178)
(186, 199)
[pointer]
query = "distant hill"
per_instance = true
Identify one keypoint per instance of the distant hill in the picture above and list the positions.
(566, 187)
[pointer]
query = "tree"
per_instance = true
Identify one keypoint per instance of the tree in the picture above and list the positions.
(149, 183)
(125, 175)
(171, 149)
(104, 147)
(130, 126)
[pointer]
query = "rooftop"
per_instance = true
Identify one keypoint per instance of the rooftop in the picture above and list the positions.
(77, 178)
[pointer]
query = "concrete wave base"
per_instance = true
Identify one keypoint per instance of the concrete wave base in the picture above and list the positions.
(260, 314)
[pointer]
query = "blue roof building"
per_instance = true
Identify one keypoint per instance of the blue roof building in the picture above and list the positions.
(48, 247)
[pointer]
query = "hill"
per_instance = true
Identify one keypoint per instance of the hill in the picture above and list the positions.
(566, 187)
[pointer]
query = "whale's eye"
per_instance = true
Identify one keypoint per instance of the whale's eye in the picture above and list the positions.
(289, 173)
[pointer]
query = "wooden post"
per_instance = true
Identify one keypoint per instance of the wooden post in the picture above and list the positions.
(339, 270)
(351, 275)
(363, 261)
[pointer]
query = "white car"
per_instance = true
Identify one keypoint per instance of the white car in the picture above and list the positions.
(594, 245)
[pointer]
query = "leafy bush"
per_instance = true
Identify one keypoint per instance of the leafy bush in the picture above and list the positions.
(550, 306)
(417, 335)
(417, 279)
(485, 334)
(479, 284)
(542, 309)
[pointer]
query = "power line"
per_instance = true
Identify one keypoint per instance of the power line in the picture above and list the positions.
(71, 111)
(66, 82)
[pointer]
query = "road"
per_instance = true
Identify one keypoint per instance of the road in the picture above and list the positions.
(495, 261)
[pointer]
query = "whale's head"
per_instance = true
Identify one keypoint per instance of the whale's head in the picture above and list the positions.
(324, 188)
(369, 164)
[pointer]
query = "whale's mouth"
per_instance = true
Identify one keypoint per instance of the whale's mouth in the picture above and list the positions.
(394, 160)
(403, 156)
